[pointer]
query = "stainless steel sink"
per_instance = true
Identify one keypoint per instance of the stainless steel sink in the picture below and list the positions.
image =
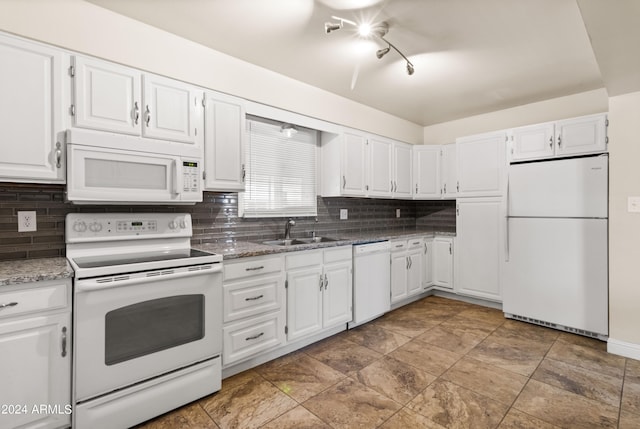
(283, 242)
(294, 241)
(318, 239)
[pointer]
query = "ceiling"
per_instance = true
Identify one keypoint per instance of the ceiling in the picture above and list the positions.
(470, 56)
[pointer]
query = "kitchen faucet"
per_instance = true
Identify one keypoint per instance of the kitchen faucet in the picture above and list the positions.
(287, 228)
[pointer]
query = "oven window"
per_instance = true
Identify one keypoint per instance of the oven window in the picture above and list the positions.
(151, 326)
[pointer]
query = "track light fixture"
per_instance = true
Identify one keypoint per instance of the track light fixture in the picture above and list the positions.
(366, 30)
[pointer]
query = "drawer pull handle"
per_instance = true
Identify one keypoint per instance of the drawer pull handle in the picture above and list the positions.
(399, 245)
(253, 298)
(255, 337)
(9, 304)
(254, 268)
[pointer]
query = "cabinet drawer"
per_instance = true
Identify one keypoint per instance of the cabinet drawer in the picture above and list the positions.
(304, 259)
(252, 297)
(415, 243)
(399, 245)
(47, 296)
(252, 267)
(338, 254)
(244, 339)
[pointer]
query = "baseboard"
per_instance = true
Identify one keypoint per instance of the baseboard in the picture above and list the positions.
(623, 348)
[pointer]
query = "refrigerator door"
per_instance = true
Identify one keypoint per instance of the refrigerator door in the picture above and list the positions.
(575, 187)
(557, 272)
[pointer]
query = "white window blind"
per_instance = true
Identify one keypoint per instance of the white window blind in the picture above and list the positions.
(281, 172)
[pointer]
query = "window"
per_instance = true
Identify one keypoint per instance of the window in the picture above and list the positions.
(281, 172)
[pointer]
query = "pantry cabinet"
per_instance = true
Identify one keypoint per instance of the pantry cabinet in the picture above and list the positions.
(481, 165)
(35, 345)
(480, 237)
(319, 290)
(224, 142)
(31, 112)
(575, 136)
(119, 99)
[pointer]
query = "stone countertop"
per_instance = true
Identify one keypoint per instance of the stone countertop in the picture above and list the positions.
(242, 249)
(33, 270)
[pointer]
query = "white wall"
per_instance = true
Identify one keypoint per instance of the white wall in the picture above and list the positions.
(549, 110)
(86, 28)
(624, 227)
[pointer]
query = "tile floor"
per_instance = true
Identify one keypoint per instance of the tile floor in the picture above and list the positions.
(436, 363)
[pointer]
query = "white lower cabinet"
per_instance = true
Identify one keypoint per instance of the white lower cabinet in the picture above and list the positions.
(254, 309)
(35, 355)
(443, 262)
(407, 268)
(319, 290)
(427, 263)
(479, 234)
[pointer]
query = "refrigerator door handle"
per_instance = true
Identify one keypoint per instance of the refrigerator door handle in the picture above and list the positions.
(506, 224)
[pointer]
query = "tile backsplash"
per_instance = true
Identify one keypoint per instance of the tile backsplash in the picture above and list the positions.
(214, 220)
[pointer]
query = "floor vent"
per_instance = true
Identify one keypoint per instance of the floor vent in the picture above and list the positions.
(556, 326)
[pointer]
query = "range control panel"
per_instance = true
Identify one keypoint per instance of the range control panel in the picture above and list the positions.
(81, 227)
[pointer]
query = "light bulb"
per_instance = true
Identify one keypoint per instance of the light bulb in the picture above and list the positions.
(364, 29)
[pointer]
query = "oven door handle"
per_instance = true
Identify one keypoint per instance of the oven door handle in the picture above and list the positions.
(100, 283)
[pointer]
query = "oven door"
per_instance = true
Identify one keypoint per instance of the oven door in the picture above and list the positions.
(132, 327)
(117, 176)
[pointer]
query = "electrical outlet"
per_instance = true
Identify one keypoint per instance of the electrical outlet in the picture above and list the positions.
(27, 221)
(397, 212)
(633, 204)
(344, 214)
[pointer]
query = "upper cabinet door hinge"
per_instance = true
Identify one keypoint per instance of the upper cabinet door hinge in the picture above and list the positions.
(204, 175)
(72, 110)
(286, 284)
(606, 122)
(72, 71)
(286, 329)
(204, 101)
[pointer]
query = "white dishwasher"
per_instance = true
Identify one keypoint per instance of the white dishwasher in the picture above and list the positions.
(371, 281)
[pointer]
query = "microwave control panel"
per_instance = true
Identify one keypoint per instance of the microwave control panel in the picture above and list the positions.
(190, 176)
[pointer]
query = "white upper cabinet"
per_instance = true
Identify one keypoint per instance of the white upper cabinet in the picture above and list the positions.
(576, 136)
(106, 96)
(171, 109)
(114, 98)
(448, 171)
(353, 165)
(481, 165)
(380, 183)
(31, 119)
(587, 134)
(426, 172)
(224, 142)
(402, 170)
(534, 141)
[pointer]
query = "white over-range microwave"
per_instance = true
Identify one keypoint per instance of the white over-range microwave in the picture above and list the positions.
(116, 169)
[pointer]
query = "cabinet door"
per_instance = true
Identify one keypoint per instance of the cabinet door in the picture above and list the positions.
(171, 110)
(337, 294)
(427, 263)
(443, 262)
(36, 370)
(449, 173)
(415, 271)
(479, 227)
(587, 134)
(353, 165)
(402, 170)
(380, 183)
(107, 96)
(481, 165)
(426, 172)
(31, 120)
(304, 302)
(399, 268)
(533, 142)
(224, 143)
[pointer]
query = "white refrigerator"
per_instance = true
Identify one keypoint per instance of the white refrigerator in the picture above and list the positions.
(556, 271)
